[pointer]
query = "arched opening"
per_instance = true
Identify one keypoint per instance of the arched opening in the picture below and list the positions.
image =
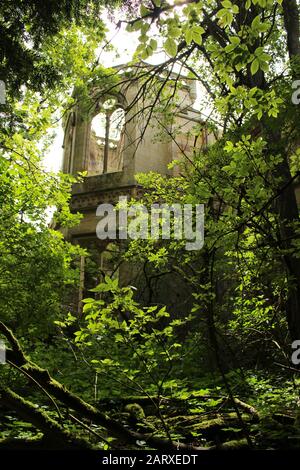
(107, 139)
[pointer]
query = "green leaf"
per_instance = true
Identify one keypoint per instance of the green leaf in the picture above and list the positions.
(88, 300)
(144, 11)
(188, 35)
(174, 32)
(153, 44)
(264, 66)
(197, 32)
(254, 66)
(235, 40)
(170, 47)
(226, 4)
(256, 22)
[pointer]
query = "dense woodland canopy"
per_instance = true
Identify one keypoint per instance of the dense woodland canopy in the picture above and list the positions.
(221, 375)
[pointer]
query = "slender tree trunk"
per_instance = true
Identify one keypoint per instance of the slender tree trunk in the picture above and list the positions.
(287, 203)
(291, 23)
(288, 217)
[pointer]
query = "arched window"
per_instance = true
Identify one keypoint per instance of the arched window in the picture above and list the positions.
(107, 139)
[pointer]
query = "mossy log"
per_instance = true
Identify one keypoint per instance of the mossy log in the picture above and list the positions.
(283, 418)
(231, 445)
(208, 428)
(56, 435)
(247, 408)
(16, 356)
(151, 400)
(32, 443)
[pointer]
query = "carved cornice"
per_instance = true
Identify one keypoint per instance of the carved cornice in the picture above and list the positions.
(91, 200)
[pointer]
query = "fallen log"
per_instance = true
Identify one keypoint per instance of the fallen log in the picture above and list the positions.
(23, 444)
(247, 408)
(231, 445)
(16, 356)
(56, 435)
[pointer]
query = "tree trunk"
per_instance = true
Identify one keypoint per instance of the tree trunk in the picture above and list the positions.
(287, 203)
(291, 23)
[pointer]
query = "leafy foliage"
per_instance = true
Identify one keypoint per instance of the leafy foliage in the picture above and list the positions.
(191, 369)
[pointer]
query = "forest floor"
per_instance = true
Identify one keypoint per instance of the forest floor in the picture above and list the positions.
(220, 424)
